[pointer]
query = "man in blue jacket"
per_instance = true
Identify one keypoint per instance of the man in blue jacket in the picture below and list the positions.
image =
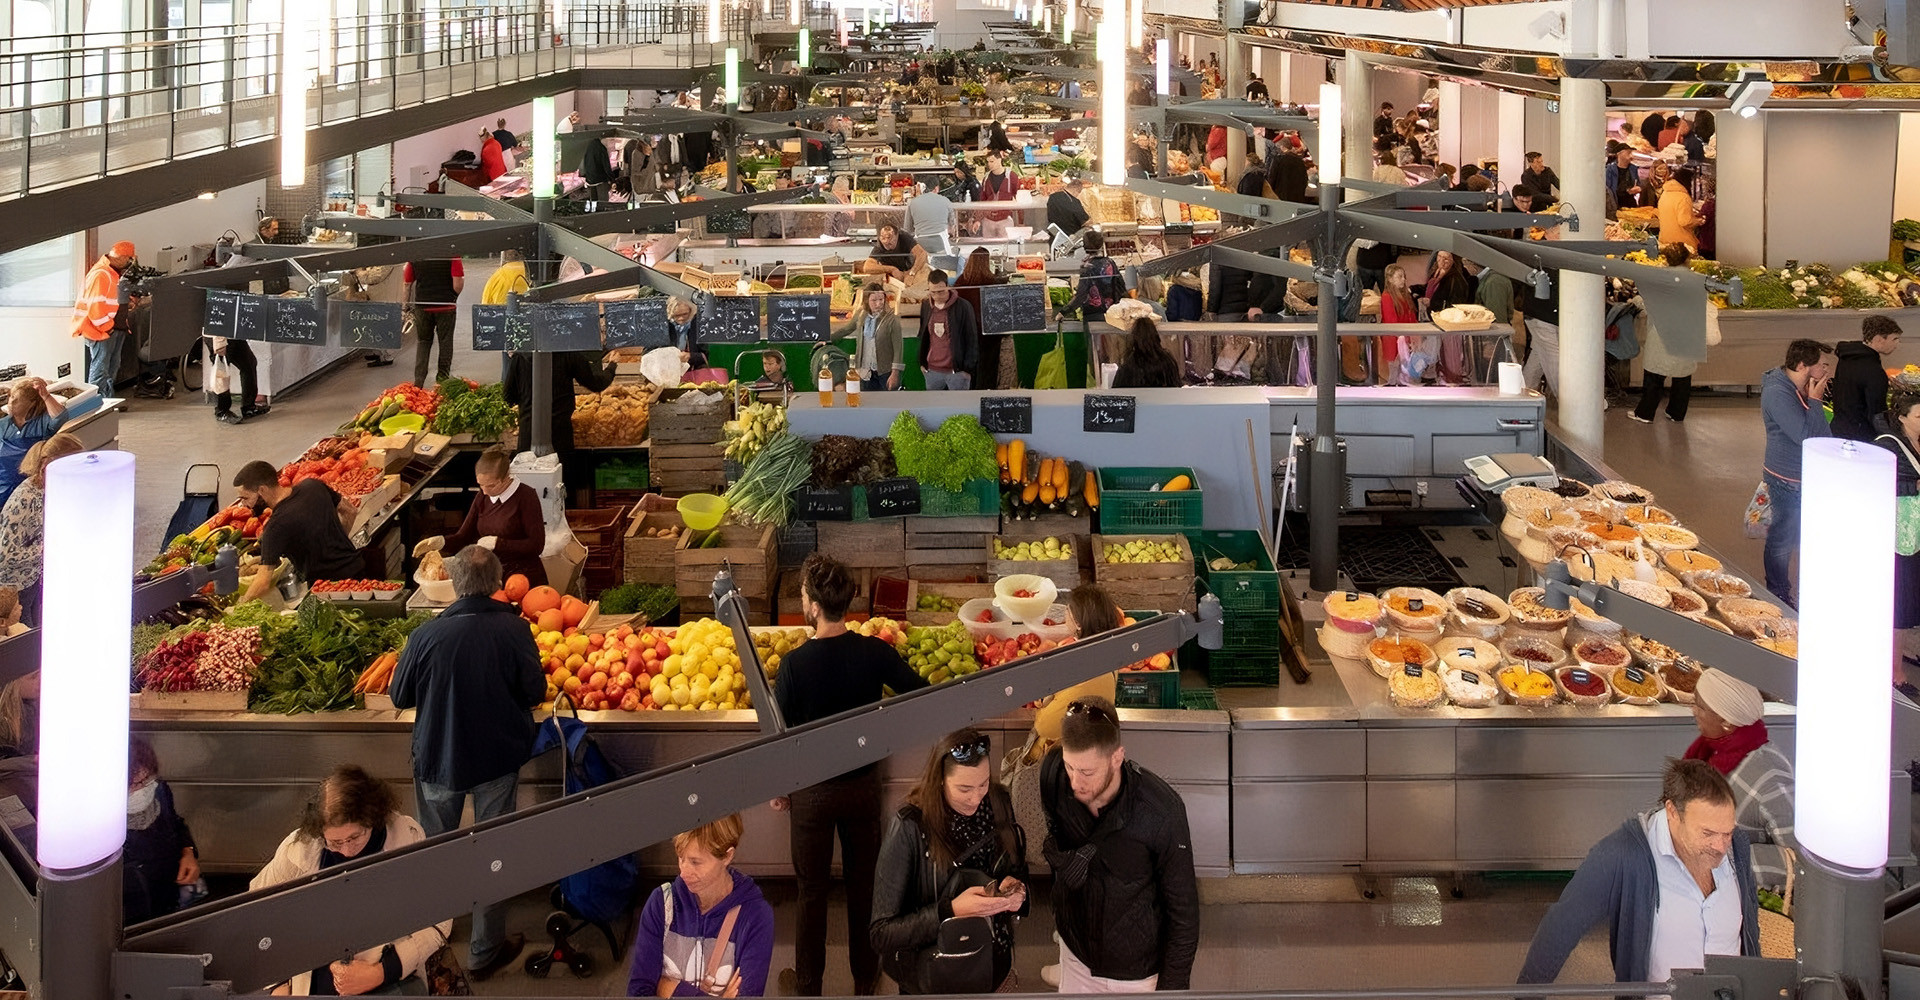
(473, 675)
(1673, 886)
(1792, 406)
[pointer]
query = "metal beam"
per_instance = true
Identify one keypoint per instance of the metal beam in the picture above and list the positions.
(1253, 206)
(1298, 229)
(405, 228)
(647, 214)
(259, 938)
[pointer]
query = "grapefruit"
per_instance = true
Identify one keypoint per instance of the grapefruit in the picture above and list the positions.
(517, 587)
(541, 598)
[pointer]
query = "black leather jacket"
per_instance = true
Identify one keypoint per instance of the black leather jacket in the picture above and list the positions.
(910, 899)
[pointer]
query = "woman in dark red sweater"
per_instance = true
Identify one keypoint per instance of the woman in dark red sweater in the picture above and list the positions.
(508, 512)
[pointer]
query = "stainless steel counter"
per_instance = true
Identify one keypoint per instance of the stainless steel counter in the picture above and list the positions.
(242, 779)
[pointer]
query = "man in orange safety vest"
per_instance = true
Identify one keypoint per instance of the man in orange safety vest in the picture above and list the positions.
(96, 316)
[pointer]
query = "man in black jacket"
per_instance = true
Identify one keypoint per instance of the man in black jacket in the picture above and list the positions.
(1860, 378)
(472, 676)
(1125, 901)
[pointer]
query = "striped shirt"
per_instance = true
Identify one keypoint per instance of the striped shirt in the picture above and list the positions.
(1763, 796)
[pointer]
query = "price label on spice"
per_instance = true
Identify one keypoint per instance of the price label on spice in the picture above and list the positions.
(1466, 652)
(1415, 670)
(1470, 677)
(1416, 605)
(1580, 677)
(1635, 676)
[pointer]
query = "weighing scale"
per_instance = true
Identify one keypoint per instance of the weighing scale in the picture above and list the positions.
(1496, 473)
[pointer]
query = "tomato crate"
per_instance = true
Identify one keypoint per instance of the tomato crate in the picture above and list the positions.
(1129, 504)
(1147, 689)
(1254, 590)
(1225, 669)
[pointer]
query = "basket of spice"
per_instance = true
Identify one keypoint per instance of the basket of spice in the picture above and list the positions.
(1681, 677)
(1686, 603)
(1527, 687)
(1532, 617)
(1652, 593)
(1750, 618)
(1601, 656)
(1416, 610)
(1520, 501)
(1669, 538)
(1623, 494)
(1644, 514)
(1786, 645)
(1636, 686)
(1684, 561)
(1583, 687)
(1716, 586)
(1415, 686)
(1588, 622)
(1477, 613)
(1389, 654)
(1649, 653)
(1533, 652)
(1466, 653)
(1472, 688)
(1352, 621)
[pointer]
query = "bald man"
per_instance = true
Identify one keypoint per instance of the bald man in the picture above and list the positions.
(97, 315)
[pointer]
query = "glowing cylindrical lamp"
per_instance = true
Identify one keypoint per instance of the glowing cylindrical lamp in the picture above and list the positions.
(793, 13)
(1327, 157)
(713, 22)
(293, 94)
(733, 77)
(83, 735)
(543, 142)
(1136, 23)
(1843, 719)
(1066, 24)
(843, 29)
(1163, 67)
(806, 49)
(1112, 50)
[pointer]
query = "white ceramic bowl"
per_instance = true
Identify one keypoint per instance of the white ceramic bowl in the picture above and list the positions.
(437, 591)
(1022, 609)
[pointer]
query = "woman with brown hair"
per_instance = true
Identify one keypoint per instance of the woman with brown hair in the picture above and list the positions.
(505, 517)
(953, 848)
(23, 524)
(978, 272)
(709, 932)
(354, 815)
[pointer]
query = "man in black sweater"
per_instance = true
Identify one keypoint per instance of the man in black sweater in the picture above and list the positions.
(1860, 378)
(1125, 901)
(835, 671)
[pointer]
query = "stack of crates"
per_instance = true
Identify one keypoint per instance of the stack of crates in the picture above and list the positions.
(1249, 655)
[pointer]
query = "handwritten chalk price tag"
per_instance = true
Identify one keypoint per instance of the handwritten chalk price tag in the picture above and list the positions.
(1107, 414)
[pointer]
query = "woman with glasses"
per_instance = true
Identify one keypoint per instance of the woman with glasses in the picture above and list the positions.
(952, 849)
(354, 815)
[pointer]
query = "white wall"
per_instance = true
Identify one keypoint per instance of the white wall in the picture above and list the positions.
(1479, 118)
(1906, 176)
(1543, 136)
(1829, 186)
(1778, 29)
(1740, 188)
(428, 150)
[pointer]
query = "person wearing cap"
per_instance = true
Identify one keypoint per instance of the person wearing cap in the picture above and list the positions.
(97, 315)
(1733, 738)
(1064, 208)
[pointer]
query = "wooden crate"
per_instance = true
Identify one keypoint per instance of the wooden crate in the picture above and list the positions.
(864, 544)
(749, 550)
(969, 556)
(191, 701)
(1060, 526)
(672, 421)
(650, 560)
(961, 593)
(936, 528)
(1154, 595)
(1105, 572)
(690, 468)
(1065, 573)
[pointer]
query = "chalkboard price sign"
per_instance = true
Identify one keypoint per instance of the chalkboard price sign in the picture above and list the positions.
(1107, 414)
(223, 306)
(1007, 414)
(638, 323)
(372, 325)
(500, 328)
(296, 321)
(730, 319)
(1018, 308)
(823, 505)
(893, 497)
(799, 319)
(567, 326)
(253, 317)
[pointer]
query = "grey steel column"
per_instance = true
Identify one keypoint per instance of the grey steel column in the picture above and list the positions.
(80, 920)
(1838, 915)
(1356, 116)
(1582, 405)
(1323, 495)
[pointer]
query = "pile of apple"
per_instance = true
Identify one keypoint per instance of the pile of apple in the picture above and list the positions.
(996, 652)
(602, 670)
(701, 671)
(940, 654)
(886, 630)
(1158, 661)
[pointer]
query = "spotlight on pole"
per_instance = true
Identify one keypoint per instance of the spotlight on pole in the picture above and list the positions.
(1163, 68)
(543, 143)
(1327, 157)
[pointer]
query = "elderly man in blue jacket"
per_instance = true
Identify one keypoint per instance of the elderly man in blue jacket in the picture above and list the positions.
(1673, 886)
(473, 675)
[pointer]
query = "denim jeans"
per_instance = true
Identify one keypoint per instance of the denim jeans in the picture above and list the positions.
(439, 810)
(948, 380)
(1783, 536)
(103, 360)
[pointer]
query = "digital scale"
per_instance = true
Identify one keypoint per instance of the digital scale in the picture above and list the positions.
(1495, 473)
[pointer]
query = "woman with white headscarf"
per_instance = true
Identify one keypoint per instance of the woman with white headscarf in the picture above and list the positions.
(1733, 739)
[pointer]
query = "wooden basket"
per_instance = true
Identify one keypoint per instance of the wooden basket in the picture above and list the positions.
(650, 560)
(1065, 573)
(864, 544)
(1105, 572)
(1154, 595)
(751, 551)
(191, 701)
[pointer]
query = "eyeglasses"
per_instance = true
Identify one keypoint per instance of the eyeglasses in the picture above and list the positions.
(1089, 708)
(341, 846)
(971, 752)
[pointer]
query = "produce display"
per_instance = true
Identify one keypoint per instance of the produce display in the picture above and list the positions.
(466, 408)
(356, 590)
(1048, 549)
(940, 654)
(764, 492)
(196, 548)
(936, 603)
(651, 601)
(1142, 550)
(1031, 484)
(403, 398)
(213, 658)
(617, 417)
(773, 645)
(838, 459)
(340, 463)
(958, 450)
(756, 426)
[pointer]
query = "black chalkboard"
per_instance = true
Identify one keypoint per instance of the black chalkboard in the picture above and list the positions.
(1018, 308)
(730, 319)
(567, 326)
(834, 504)
(500, 328)
(1007, 414)
(297, 321)
(798, 319)
(638, 323)
(372, 325)
(1107, 414)
(222, 306)
(253, 317)
(893, 497)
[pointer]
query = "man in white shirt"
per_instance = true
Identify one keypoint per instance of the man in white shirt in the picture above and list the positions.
(1673, 886)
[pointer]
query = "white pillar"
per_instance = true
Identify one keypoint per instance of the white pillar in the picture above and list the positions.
(1583, 391)
(1356, 120)
(1740, 189)
(1452, 123)
(1513, 138)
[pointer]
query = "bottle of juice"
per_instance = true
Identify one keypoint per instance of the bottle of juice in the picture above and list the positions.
(826, 386)
(853, 388)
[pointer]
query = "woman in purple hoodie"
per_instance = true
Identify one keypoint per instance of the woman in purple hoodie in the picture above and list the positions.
(708, 932)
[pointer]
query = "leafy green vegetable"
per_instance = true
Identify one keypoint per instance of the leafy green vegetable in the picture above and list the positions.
(958, 451)
(451, 388)
(655, 602)
(482, 412)
(310, 666)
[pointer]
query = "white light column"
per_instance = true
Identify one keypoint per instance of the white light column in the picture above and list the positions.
(806, 48)
(793, 12)
(1163, 67)
(713, 22)
(296, 70)
(1112, 50)
(543, 151)
(1066, 23)
(1583, 301)
(1136, 23)
(1326, 159)
(732, 95)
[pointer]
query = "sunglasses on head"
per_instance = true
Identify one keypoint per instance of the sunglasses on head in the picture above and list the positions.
(971, 752)
(1088, 708)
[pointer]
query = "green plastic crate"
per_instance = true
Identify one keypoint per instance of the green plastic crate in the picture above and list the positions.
(1199, 700)
(978, 496)
(1250, 633)
(1225, 669)
(619, 474)
(1252, 591)
(1147, 689)
(1130, 505)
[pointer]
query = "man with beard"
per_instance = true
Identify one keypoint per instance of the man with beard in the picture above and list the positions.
(1673, 885)
(1125, 901)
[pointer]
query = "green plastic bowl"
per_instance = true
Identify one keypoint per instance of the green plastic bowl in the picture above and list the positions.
(403, 422)
(702, 511)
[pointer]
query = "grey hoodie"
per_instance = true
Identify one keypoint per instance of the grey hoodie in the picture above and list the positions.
(1790, 419)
